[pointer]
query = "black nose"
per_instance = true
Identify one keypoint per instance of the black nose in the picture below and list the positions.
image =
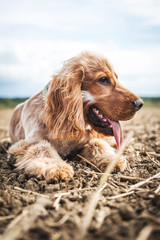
(138, 103)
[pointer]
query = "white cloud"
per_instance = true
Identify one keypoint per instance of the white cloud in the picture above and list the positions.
(67, 15)
(142, 85)
(26, 58)
(38, 60)
(148, 10)
(61, 15)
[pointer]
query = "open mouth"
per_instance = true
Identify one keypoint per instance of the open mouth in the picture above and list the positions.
(108, 127)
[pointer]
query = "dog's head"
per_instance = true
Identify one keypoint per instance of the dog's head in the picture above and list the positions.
(87, 91)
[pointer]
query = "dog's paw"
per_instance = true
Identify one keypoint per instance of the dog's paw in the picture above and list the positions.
(119, 166)
(59, 171)
(18, 149)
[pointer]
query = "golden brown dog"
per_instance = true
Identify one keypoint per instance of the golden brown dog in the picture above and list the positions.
(79, 108)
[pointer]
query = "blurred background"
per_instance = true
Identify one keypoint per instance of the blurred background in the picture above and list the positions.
(36, 36)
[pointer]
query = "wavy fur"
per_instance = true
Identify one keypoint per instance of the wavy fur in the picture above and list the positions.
(63, 114)
(44, 130)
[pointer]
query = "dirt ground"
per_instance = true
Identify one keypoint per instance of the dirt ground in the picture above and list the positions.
(127, 209)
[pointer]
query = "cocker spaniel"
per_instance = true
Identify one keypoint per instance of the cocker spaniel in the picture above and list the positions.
(76, 111)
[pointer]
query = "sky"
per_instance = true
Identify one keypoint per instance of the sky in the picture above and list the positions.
(37, 36)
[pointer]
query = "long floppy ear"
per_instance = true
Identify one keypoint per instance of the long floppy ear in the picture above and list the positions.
(63, 114)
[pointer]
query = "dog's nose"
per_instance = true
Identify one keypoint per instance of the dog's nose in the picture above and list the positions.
(138, 103)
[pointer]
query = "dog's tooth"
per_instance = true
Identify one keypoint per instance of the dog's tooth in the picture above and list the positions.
(97, 111)
(104, 119)
(100, 115)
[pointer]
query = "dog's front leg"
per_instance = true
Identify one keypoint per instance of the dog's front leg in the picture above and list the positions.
(40, 159)
(100, 153)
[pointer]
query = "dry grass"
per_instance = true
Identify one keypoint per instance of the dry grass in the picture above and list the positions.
(136, 182)
(86, 221)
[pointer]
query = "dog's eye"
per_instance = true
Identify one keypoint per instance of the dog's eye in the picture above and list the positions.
(104, 81)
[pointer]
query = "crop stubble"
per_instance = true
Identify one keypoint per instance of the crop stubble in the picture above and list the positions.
(128, 207)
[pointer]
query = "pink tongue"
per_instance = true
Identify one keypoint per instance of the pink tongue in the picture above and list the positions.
(117, 130)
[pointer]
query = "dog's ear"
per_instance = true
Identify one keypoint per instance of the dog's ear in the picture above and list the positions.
(63, 114)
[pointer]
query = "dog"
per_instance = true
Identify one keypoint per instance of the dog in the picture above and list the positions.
(78, 109)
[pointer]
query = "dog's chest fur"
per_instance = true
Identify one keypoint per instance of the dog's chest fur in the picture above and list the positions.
(65, 148)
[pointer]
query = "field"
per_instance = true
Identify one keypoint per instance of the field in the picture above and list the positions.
(118, 206)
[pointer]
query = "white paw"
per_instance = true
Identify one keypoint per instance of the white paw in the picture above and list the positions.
(59, 171)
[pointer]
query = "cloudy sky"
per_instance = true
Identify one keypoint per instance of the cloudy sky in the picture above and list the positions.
(36, 36)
